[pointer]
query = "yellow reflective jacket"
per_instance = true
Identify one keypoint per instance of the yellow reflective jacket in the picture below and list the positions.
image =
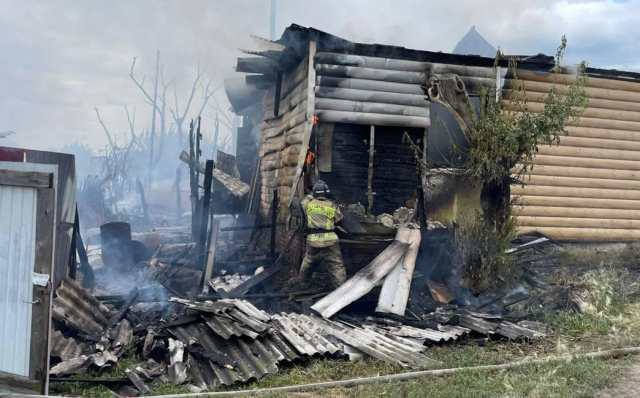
(322, 214)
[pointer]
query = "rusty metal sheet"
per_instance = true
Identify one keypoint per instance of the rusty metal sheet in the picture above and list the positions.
(78, 309)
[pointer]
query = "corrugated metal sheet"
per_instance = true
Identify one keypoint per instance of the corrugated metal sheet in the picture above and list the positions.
(62, 348)
(78, 309)
(17, 256)
(302, 334)
(252, 359)
(373, 343)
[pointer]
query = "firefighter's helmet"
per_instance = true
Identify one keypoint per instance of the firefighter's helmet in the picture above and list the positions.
(320, 188)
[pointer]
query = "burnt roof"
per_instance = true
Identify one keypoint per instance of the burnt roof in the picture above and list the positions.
(296, 39)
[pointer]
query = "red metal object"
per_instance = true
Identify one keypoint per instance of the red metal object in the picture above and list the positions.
(8, 154)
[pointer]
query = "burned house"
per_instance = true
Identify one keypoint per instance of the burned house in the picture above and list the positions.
(336, 110)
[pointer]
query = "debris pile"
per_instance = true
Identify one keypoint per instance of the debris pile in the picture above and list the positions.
(209, 344)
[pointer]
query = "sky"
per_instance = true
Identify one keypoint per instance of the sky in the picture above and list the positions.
(63, 58)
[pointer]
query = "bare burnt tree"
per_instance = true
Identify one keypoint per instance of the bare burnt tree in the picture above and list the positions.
(158, 103)
(207, 94)
(116, 157)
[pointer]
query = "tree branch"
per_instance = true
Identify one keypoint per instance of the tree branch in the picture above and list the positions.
(111, 143)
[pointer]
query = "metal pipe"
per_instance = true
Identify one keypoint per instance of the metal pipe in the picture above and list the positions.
(372, 119)
(371, 96)
(370, 107)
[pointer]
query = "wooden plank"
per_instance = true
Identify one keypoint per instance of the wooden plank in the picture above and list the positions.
(325, 147)
(32, 179)
(211, 256)
(20, 384)
(370, 171)
(277, 266)
(362, 282)
(43, 264)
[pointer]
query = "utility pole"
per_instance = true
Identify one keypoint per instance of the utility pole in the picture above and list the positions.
(272, 32)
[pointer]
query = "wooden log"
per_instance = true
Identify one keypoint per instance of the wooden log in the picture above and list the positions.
(594, 193)
(578, 152)
(573, 212)
(371, 74)
(603, 123)
(599, 143)
(596, 113)
(372, 85)
(571, 78)
(594, 103)
(552, 181)
(588, 132)
(370, 107)
(568, 222)
(372, 119)
(586, 162)
(580, 172)
(577, 202)
(595, 234)
(371, 96)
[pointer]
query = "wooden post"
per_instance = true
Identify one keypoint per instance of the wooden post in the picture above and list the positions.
(193, 181)
(143, 202)
(206, 202)
(274, 220)
(211, 255)
(178, 194)
(370, 174)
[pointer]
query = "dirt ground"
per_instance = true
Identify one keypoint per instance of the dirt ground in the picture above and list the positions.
(627, 386)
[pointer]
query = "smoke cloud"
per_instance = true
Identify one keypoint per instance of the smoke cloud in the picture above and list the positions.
(64, 57)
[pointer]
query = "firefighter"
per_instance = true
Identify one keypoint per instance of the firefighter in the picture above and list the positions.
(322, 242)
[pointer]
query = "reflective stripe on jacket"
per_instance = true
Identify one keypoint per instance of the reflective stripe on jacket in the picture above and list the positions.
(321, 214)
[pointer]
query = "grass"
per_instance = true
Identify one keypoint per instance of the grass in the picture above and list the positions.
(617, 255)
(614, 322)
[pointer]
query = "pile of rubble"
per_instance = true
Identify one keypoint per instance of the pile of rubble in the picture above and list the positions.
(209, 344)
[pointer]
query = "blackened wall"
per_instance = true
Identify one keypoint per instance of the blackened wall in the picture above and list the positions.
(395, 174)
